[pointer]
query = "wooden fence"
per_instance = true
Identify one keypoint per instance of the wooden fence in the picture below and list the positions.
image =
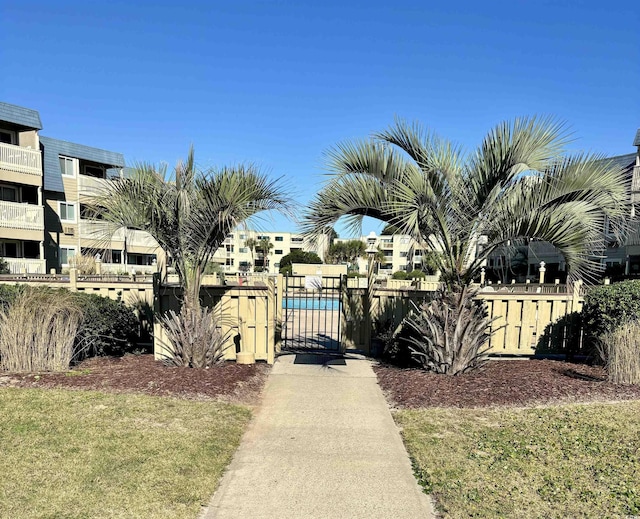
(247, 313)
(520, 313)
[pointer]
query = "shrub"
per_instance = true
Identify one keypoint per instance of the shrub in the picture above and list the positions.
(355, 274)
(416, 274)
(108, 328)
(621, 349)
(84, 264)
(608, 306)
(400, 274)
(38, 330)
(8, 293)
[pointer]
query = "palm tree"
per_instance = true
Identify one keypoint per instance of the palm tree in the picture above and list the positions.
(251, 244)
(263, 246)
(516, 185)
(188, 213)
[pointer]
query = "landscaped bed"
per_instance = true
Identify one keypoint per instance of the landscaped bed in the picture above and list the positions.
(142, 374)
(93, 454)
(510, 441)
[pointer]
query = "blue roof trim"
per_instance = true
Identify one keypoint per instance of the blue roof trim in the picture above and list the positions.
(636, 141)
(19, 115)
(53, 148)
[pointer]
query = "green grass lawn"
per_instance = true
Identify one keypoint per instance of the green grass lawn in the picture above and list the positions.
(81, 454)
(566, 461)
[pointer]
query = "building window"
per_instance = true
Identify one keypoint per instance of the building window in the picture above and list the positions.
(67, 166)
(7, 137)
(278, 251)
(279, 238)
(229, 248)
(8, 194)
(229, 262)
(263, 238)
(297, 240)
(67, 212)
(141, 259)
(243, 250)
(243, 236)
(66, 253)
(93, 171)
(404, 254)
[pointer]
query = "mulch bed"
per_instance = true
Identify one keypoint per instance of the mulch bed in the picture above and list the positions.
(142, 374)
(502, 383)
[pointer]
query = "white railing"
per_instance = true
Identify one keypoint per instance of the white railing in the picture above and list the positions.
(21, 216)
(120, 268)
(28, 266)
(100, 231)
(20, 160)
(140, 238)
(635, 183)
(92, 186)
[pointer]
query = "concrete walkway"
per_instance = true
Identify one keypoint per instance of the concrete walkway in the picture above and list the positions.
(322, 445)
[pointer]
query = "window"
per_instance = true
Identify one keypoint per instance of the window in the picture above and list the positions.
(278, 251)
(7, 137)
(229, 262)
(229, 248)
(243, 236)
(243, 250)
(67, 212)
(297, 240)
(8, 194)
(93, 171)
(9, 249)
(66, 253)
(67, 166)
(141, 259)
(404, 254)
(279, 238)
(263, 237)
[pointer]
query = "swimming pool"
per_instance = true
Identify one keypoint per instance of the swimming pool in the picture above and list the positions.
(297, 303)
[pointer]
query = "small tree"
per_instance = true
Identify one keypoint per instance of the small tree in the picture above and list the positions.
(298, 256)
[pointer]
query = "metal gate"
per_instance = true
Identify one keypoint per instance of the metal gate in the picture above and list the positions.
(311, 309)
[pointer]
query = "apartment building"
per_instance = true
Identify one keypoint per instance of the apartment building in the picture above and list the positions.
(401, 253)
(243, 252)
(44, 183)
(73, 173)
(21, 190)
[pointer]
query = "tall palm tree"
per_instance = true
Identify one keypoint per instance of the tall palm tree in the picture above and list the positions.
(518, 184)
(251, 244)
(189, 213)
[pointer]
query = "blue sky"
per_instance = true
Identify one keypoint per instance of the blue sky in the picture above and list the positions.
(277, 83)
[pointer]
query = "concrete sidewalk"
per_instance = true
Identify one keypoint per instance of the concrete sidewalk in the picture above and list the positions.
(322, 445)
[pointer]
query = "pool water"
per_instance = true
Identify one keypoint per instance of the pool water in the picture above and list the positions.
(295, 303)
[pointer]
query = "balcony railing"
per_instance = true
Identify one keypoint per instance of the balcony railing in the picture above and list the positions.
(26, 266)
(20, 160)
(635, 183)
(92, 186)
(96, 230)
(140, 238)
(21, 216)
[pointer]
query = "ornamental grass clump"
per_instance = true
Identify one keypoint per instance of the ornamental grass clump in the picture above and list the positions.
(621, 351)
(38, 330)
(194, 338)
(450, 335)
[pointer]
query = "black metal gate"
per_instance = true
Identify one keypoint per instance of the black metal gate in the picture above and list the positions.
(311, 309)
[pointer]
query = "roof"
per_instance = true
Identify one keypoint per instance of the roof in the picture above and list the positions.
(21, 116)
(53, 148)
(636, 141)
(622, 161)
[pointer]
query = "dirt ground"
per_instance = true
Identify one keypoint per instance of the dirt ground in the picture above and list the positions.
(515, 383)
(142, 374)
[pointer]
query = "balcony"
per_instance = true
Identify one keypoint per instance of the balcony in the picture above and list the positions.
(20, 160)
(99, 231)
(21, 216)
(92, 186)
(140, 238)
(26, 266)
